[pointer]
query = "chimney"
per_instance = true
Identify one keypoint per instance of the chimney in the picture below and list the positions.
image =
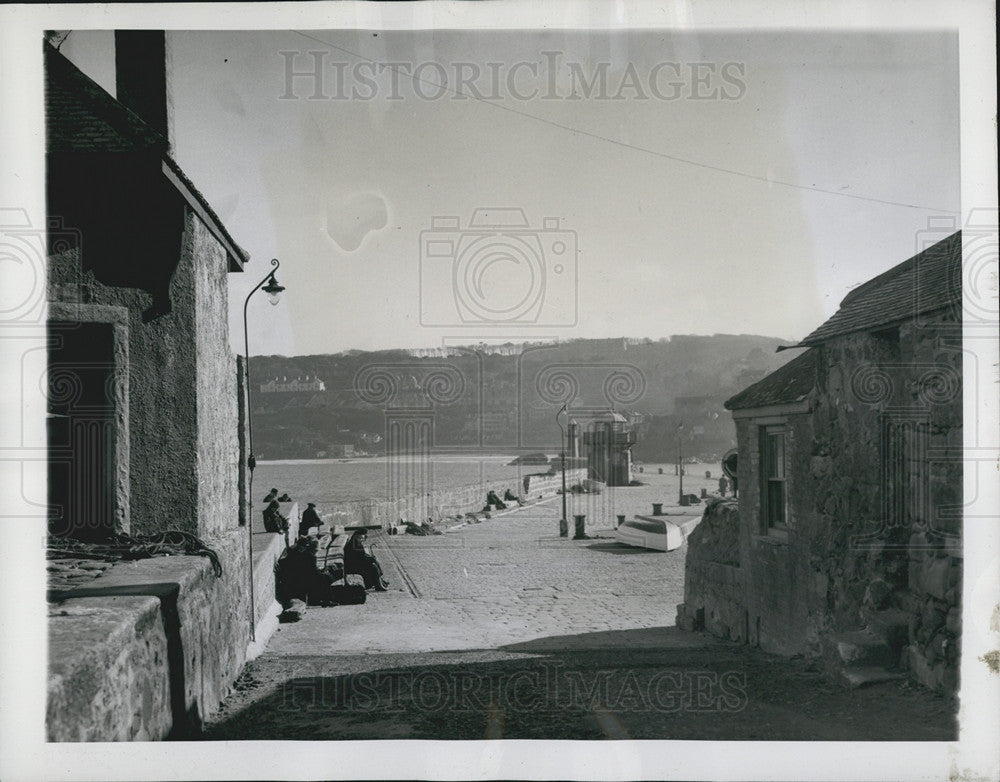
(141, 81)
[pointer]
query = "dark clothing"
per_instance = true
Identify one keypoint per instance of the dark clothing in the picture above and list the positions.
(496, 502)
(310, 519)
(298, 578)
(274, 521)
(359, 560)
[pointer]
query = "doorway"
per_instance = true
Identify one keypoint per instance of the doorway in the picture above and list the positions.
(80, 426)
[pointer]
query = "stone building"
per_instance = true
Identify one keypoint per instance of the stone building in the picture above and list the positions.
(850, 473)
(298, 384)
(146, 421)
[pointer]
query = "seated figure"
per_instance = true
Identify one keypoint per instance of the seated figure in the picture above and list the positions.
(359, 560)
(495, 501)
(274, 519)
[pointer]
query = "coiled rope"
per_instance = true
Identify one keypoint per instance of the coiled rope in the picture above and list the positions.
(121, 546)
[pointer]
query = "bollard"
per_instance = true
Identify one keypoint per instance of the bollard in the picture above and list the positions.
(563, 528)
(657, 508)
(580, 531)
(621, 520)
(661, 471)
(704, 493)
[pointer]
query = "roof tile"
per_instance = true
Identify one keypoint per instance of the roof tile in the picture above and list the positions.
(928, 281)
(789, 383)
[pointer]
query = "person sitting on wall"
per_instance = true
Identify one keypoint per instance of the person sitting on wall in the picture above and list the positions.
(359, 560)
(494, 500)
(509, 496)
(274, 519)
(310, 519)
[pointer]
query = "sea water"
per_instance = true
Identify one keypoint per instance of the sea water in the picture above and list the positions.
(328, 481)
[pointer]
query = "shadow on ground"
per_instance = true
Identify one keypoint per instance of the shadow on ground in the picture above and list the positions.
(620, 548)
(658, 683)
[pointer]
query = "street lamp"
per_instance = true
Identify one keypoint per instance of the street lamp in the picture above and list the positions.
(563, 524)
(680, 463)
(273, 291)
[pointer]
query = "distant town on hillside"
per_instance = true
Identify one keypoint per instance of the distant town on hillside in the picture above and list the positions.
(504, 398)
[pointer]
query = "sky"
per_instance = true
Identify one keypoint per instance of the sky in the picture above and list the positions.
(722, 182)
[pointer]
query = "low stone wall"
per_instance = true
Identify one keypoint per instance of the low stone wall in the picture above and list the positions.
(537, 485)
(935, 612)
(447, 502)
(713, 579)
(148, 649)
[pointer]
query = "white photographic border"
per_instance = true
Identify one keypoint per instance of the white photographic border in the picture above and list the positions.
(24, 754)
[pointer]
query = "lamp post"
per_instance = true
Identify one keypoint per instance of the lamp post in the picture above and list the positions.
(273, 291)
(680, 463)
(563, 524)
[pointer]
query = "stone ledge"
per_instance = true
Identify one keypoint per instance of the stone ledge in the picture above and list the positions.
(103, 652)
(148, 649)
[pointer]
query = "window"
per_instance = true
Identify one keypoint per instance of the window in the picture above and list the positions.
(773, 495)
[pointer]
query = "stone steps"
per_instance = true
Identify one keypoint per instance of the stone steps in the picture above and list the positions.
(862, 648)
(859, 677)
(856, 658)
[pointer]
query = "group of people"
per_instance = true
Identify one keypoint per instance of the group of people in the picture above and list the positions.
(358, 558)
(493, 502)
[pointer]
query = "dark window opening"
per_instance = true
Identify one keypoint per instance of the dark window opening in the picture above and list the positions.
(80, 427)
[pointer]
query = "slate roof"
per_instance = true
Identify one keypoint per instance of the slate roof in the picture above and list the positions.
(789, 383)
(80, 116)
(928, 281)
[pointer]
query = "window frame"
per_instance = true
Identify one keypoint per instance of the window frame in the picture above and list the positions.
(773, 460)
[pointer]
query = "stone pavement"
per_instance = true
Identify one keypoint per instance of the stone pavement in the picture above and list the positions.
(502, 629)
(506, 580)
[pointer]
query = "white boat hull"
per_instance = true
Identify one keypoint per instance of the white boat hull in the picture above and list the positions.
(652, 532)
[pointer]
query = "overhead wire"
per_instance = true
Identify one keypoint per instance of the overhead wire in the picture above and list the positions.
(626, 145)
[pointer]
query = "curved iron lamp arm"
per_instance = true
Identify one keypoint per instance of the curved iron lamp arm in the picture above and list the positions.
(251, 460)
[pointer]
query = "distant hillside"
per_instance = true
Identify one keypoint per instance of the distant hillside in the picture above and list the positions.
(505, 398)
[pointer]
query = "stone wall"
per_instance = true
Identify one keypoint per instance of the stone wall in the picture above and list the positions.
(218, 428)
(150, 648)
(446, 502)
(713, 579)
(934, 608)
(874, 483)
(183, 420)
(785, 588)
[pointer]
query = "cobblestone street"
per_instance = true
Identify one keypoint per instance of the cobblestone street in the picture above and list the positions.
(502, 629)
